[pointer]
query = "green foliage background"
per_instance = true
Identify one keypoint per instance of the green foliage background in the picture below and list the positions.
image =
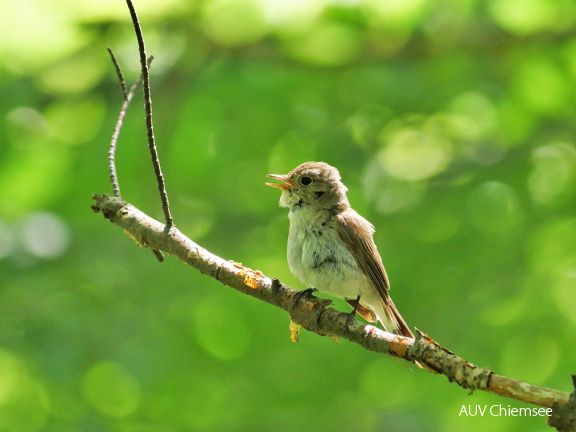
(452, 123)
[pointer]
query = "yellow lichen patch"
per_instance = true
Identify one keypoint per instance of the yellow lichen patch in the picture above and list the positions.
(295, 331)
(399, 346)
(252, 278)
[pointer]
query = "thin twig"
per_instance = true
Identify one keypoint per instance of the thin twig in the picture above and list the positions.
(118, 73)
(119, 123)
(149, 125)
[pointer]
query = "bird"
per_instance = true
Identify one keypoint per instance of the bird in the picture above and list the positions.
(331, 247)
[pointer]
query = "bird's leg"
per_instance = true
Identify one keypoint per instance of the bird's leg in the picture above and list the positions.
(351, 315)
(301, 294)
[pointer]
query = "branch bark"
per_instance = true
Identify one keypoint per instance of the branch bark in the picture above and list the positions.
(313, 314)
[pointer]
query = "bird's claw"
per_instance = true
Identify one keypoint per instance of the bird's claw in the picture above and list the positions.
(300, 294)
(351, 317)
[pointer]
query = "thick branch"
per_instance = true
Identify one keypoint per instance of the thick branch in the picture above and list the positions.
(314, 315)
(564, 415)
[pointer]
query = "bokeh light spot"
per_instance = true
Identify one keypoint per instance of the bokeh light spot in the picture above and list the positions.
(10, 376)
(34, 164)
(234, 22)
(525, 17)
(26, 124)
(111, 10)
(395, 393)
(564, 291)
(45, 235)
(439, 225)
(76, 122)
(52, 35)
(518, 353)
(23, 400)
(552, 249)
(551, 95)
(388, 194)
(329, 44)
(291, 14)
(476, 107)
(553, 173)
(494, 208)
(394, 14)
(414, 155)
(220, 330)
(76, 74)
(111, 389)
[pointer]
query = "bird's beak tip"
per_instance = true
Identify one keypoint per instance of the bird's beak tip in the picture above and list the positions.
(287, 183)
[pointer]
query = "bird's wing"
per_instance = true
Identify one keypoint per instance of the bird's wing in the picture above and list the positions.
(357, 234)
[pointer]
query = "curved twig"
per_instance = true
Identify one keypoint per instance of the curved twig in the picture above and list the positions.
(120, 122)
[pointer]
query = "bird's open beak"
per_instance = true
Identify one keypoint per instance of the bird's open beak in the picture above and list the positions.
(287, 183)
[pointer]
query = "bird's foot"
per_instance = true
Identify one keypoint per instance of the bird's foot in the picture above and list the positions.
(300, 294)
(351, 317)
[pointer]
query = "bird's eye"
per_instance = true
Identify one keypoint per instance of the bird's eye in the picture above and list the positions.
(306, 181)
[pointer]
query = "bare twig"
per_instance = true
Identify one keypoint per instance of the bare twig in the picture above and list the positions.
(313, 314)
(118, 73)
(117, 128)
(114, 141)
(149, 125)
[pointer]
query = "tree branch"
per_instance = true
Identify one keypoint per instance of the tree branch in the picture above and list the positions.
(564, 415)
(313, 314)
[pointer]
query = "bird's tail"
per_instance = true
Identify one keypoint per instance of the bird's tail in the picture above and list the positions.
(392, 320)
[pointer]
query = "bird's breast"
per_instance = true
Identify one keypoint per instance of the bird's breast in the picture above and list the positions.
(318, 256)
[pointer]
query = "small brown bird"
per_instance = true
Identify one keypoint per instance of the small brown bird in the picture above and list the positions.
(331, 247)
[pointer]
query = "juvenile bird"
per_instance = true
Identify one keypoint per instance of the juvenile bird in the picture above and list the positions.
(331, 247)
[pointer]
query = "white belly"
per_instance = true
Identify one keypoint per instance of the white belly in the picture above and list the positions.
(320, 258)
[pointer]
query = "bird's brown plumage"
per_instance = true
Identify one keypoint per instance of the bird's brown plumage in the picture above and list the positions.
(366, 255)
